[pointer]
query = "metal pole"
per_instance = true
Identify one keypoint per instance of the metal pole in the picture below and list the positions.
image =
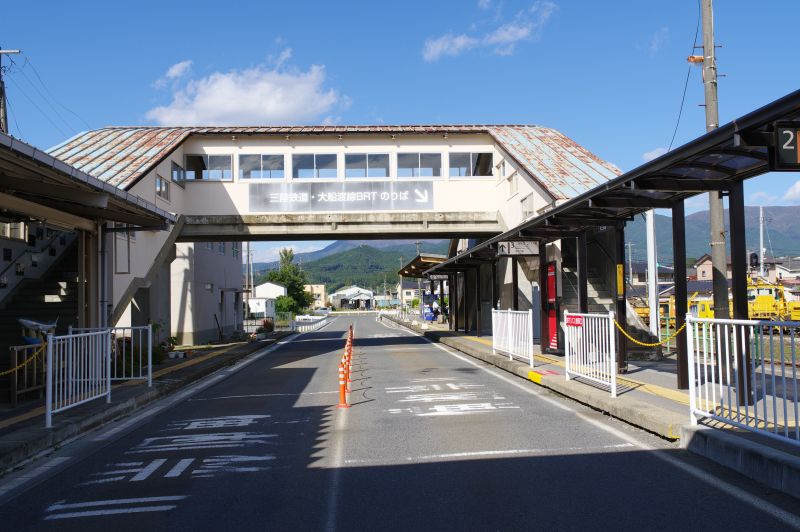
(478, 320)
(719, 260)
(108, 365)
(467, 321)
(3, 112)
(652, 273)
(761, 241)
(739, 288)
(494, 286)
(621, 303)
(544, 333)
(583, 278)
(48, 411)
(681, 304)
(149, 355)
(514, 284)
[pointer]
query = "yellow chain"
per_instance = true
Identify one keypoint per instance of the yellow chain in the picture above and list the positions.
(25, 362)
(644, 344)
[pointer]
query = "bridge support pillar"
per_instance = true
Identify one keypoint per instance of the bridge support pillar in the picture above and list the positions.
(681, 304)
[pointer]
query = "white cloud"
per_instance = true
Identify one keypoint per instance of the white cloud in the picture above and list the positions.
(658, 40)
(653, 154)
(793, 194)
(265, 94)
(176, 71)
(527, 25)
(765, 198)
(447, 44)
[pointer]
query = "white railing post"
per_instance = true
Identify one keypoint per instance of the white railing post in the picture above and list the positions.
(494, 332)
(107, 358)
(48, 413)
(149, 355)
(567, 355)
(613, 353)
(691, 355)
(530, 335)
(509, 343)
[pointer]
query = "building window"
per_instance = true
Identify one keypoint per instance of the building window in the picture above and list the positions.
(254, 166)
(527, 206)
(513, 185)
(162, 187)
(366, 165)
(235, 249)
(178, 173)
(419, 165)
(210, 246)
(314, 165)
(209, 168)
(221, 248)
(470, 164)
(702, 273)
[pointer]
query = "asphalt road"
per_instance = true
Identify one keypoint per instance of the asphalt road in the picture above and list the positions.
(434, 441)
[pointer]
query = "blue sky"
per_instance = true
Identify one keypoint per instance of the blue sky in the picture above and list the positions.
(608, 74)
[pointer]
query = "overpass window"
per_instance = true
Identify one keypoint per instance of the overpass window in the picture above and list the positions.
(366, 165)
(419, 164)
(254, 166)
(314, 165)
(470, 164)
(208, 168)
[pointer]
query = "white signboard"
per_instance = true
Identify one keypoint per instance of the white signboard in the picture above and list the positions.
(357, 196)
(528, 247)
(257, 305)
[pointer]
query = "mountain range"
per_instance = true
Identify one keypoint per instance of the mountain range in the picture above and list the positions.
(368, 263)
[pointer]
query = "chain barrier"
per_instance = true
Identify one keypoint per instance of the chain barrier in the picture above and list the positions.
(24, 362)
(645, 344)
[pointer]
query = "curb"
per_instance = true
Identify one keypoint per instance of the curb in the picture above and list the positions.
(663, 423)
(763, 464)
(29, 449)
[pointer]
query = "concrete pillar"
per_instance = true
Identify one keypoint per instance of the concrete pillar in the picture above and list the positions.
(514, 284)
(478, 313)
(465, 299)
(82, 310)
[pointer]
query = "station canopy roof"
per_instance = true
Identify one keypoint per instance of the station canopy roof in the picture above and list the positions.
(731, 153)
(417, 266)
(34, 184)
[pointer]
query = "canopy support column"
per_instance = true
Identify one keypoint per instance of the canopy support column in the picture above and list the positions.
(739, 286)
(583, 280)
(621, 303)
(681, 303)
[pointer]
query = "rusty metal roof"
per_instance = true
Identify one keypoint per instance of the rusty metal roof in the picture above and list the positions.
(122, 155)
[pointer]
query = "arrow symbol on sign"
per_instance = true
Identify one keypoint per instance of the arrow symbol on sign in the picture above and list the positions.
(421, 198)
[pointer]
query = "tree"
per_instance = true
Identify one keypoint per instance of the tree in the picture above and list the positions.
(286, 304)
(293, 279)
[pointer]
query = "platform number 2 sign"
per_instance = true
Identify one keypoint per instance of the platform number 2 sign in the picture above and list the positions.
(786, 154)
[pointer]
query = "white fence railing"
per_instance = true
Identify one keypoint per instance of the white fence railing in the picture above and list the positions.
(131, 351)
(745, 373)
(589, 348)
(78, 370)
(307, 325)
(512, 334)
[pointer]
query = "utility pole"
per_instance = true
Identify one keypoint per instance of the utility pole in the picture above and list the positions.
(3, 112)
(716, 211)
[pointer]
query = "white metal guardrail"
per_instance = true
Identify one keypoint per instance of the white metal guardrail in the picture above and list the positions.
(131, 351)
(512, 334)
(304, 326)
(745, 373)
(78, 371)
(589, 348)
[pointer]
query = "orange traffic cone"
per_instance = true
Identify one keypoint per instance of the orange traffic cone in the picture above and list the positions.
(342, 389)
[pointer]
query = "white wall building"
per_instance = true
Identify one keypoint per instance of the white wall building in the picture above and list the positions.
(269, 290)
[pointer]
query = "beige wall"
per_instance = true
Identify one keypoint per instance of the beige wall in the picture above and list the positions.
(319, 293)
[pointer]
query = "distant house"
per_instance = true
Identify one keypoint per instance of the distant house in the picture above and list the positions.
(269, 290)
(639, 274)
(407, 291)
(353, 297)
(319, 293)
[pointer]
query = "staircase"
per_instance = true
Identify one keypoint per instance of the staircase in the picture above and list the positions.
(52, 296)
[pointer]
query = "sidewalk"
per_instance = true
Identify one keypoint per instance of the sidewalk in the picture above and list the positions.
(22, 432)
(647, 397)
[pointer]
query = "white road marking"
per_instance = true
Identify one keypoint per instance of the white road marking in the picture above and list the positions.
(148, 470)
(752, 500)
(217, 440)
(114, 511)
(431, 397)
(179, 468)
(221, 422)
(102, 481)
(506, 452)
(231, 464)
(61, 505)
(255, 395)
(336, 464)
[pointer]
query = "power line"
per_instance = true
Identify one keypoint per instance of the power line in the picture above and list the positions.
(14, 118)
(45, 115)
(36, 72)
(686, 82)
(21, 70)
